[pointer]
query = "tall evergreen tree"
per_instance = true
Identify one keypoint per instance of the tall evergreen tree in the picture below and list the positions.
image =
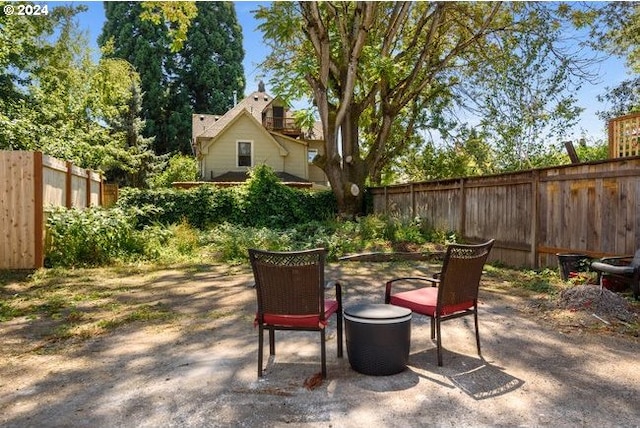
(202, 76)
(142, 159)
(214, 44)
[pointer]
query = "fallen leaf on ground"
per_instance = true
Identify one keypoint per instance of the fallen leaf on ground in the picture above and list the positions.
(313, 382)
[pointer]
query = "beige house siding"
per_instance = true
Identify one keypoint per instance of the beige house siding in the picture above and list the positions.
(316, 174)
(294, 163)
(221, 155)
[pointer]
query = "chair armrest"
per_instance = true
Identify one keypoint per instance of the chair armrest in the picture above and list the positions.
(616, 259)
(612, 269)
(387, 293)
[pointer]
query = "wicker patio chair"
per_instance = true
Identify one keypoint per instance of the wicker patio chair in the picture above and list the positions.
(452, 293)
(623, 268)
(290, 290)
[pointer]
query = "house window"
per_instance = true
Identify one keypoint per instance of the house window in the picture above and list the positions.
(311, 153)
(244, 153)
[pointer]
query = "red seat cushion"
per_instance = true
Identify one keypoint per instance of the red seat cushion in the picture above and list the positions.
(307, 321)
(423, 301)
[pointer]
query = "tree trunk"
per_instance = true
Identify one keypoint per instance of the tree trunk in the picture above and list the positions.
(347, 173)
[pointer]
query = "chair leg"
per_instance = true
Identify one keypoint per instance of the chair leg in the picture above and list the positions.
(599, 279)
(260, 348)
(272, 342)
(433, 328)
(339, 328)
(475, 316)
(438, 341)
(323, 353)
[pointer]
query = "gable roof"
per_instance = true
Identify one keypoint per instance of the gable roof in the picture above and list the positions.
(209, 126)
(228, 123)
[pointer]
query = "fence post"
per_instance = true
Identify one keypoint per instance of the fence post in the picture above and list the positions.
(463, 208)
(38, 211)
(413, 202)
(386, 201)
(101, 191)
(67, 185)
(535, 182)
(87, 185)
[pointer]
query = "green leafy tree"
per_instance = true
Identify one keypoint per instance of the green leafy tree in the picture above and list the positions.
(373, 60)
(469, 155)
(615, 30)
(525, 98)
(59, 101)
(176, 15)
(24, 42)
(140, 159)
(622, 99)
(146, 46)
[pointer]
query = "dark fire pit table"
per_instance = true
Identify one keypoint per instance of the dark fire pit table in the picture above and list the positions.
(378, 338)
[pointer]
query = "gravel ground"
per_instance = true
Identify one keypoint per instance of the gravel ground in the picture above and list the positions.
(200, 370)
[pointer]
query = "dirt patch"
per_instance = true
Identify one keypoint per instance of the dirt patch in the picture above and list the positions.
(603, 304)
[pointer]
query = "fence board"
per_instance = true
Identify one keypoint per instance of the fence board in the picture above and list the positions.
(17, 218)
(591, 208)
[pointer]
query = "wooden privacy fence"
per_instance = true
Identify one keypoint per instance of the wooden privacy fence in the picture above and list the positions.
(591, 208)
(30, 182)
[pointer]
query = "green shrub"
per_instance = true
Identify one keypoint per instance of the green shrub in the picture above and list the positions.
(201, 206)
(93, 236)
(261, 202)
(266, 202)
(180, 168)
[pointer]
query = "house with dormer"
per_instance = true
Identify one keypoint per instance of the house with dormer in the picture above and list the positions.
(258, 130)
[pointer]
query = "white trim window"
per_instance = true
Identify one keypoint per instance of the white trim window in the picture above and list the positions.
(244, 151)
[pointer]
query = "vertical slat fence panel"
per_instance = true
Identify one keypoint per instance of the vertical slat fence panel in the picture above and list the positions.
(591, 208)
(54, 176)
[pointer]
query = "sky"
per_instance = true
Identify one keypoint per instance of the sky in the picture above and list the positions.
(611, 72)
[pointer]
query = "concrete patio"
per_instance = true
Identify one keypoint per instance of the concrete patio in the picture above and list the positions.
(201, 371)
